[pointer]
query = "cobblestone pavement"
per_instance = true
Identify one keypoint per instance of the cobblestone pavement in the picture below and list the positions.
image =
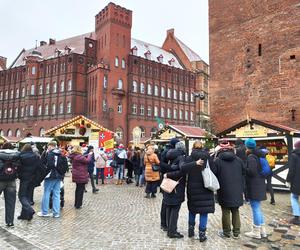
(118, 217)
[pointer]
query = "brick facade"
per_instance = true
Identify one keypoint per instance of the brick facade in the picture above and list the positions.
(101, 75)
(255, 59)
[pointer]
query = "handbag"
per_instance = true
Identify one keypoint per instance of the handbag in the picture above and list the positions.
(155, 168)
(168, 185)
(210, 180)
(113, 164)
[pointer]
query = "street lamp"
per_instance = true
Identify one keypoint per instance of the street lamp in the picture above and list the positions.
(201, 96)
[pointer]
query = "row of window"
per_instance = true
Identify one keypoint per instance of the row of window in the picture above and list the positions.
(18, 132)
(168, 114)
(163, 92)
(123, 62)
(31, 91)
(29, 110)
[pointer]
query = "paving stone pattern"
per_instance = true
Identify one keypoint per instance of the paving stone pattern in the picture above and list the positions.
(119, 217)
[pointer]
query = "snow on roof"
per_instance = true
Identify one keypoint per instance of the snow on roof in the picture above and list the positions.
(192, 56)
(144, 47)
(76, 44)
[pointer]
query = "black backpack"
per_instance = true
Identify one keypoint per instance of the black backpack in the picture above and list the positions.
(62, 165)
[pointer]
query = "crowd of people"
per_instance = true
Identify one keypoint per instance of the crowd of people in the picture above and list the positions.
(238, 169)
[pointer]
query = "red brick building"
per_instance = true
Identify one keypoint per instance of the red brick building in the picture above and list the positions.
(106, 75)
(254, 61)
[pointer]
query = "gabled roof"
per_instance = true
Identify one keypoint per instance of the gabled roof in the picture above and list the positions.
(11, 138)
(79, 117)
(191, 55)
(189, 131)
(156, 51)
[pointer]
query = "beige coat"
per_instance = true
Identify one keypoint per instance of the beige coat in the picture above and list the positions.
(151, 175)
(101, 160)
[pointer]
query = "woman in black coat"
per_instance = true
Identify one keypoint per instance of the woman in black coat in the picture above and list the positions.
(173, 200)
(30, 162)
(230, 172)
(293, 181)
(200, 200)
(256, 189)
(137, 168)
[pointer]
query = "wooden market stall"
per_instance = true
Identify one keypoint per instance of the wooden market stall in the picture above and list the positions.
(79, 130)
(11, 139)
(188, 134)
(277, 138)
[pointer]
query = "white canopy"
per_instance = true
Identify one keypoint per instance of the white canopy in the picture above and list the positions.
(36, 139)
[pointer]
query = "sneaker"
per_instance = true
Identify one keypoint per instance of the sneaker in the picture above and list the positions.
(56, 216)
(223, 235)
(235, 236)
(272, 202)
(164, 228)
(40, 214)
(10, 225)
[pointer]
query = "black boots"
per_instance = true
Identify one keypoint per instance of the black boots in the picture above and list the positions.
(175, 235)
(191, 231)
(147, 196)
(202, 236)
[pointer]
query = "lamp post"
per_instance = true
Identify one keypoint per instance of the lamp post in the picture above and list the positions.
(201, 96)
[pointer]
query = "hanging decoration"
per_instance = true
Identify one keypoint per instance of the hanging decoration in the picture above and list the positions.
(82, 130)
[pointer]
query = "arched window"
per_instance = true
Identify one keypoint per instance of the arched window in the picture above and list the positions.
(46, 109)
(169, 93)
(175, 114)
(119, 107)
(41, 89)
(42, 131)
(192, 97)
(32, 89)
(149, 111)
(53, 109)
(162, 112)
(104, 105)
(175, 94)
(47, 88)
(17, 93)
(9, 132)
(31, 110)
(105, 81)
(62, 86)
(155, 90)
(142, 88)
(22, 112)
(69, 109)
(180, 96)
(6, 94)
(149, 89)
(0, 113)
(40, 110)
(16, 112)
(134, 109)
(5, 113)
(186, 117)
(54, 90)
(162, 92)
(1, 132)
(119, 133)
(18, 133)
(134, 87)
(61, 108)
(169, 113)
(117, 61)
(12, 94)
(192, 116)
(10, 113)
(123, 64)
(120, 84)
(1, 96)
(155, 111)
(142, 110)
(33, 70)
(69, 85)
(23, 92)
(180, 114)
(153, 131)
(186, 96)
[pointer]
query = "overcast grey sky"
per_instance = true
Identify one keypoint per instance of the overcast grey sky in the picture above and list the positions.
(24, 21)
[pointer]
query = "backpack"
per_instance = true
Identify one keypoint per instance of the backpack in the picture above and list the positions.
(271, 160)
(62, 165)
(9, 163)
(265, 167)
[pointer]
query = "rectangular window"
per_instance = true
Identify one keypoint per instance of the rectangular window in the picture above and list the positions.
(105, 81)
(149, 111)
(142, 110)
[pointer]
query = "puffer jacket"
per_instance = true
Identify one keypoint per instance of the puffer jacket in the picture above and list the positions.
(151, 175)
(30, 162)
(230, 172)
(9, 159)
(80, 167)
(293, 176)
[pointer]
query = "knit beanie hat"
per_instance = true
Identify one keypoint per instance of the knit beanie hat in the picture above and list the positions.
(180, 145)
(173, 142)
(250, 143)
(297, 144)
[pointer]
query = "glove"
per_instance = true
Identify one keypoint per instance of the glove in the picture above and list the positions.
(288, 185)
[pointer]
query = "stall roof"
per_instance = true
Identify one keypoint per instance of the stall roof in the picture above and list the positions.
(79, 117)
(267, 124)
(11, 138)
(36, 139)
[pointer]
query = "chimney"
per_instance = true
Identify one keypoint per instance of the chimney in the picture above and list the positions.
(170, 32)
(3, 62)
(51, 41)
(42, 43)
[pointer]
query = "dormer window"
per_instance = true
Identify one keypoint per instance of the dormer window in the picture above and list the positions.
(148, 55)
(134, 51)
(172, 62)
(160, 58)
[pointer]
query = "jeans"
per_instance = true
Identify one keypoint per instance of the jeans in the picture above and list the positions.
(142, 178)
(258, 217)
(202, 220)
(9, 189)
(269, 187)
(236, 221)
(120, 171)
(151, 187)
(92, 181)
(172, 217)
(295, 204)
(25, 190)
(54, 186)
(79, 191)
(101, 171)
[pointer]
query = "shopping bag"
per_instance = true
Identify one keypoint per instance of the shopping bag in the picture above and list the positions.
(168, 185)
(210, 180)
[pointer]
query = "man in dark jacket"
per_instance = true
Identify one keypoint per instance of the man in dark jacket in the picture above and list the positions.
(53, 159)
(9, 161)
(230, 173)
(256, 189)
(91, 167)
(293, 181)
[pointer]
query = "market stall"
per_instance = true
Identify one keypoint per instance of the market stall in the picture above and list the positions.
(79, 130)
(188, 134)
(278, 139)
(40, 142)
(11, 139)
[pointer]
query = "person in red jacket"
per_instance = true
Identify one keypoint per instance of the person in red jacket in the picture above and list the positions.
(80, 173)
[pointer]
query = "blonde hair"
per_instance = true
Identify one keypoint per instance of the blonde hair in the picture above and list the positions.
(198, 144)
(77, 150)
